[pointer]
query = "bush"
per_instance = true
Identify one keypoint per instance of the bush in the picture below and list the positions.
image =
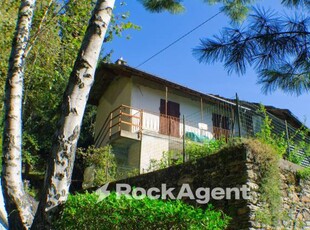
(268, 136)
(82, 211)
(168, 159)
(103, 161)
(267, 155)
(304, 173)
(196, 151)
(297, 144)
(193, 151)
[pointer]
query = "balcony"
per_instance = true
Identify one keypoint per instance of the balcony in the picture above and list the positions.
(126, 124)
(220, 133)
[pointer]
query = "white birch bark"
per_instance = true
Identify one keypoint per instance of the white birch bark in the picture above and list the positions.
(59, 172)
(19, 210)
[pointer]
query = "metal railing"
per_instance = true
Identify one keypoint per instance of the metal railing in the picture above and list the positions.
(248, 125)
(221, 133)
(135, 120)
(122, 118)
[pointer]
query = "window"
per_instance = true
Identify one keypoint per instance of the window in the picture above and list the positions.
(169, 118)
(220, 126)
(220, 121)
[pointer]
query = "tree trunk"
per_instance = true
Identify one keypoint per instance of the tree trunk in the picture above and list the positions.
(59, 171)
(20, 214)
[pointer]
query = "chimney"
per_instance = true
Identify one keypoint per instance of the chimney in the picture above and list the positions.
(120, 61)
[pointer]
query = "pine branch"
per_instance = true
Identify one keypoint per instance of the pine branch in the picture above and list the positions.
(277, 48)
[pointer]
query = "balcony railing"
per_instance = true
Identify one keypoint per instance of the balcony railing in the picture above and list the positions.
(122, 118)
(135, 120)
(221, 133)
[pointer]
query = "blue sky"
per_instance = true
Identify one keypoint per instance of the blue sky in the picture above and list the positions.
(177, 63)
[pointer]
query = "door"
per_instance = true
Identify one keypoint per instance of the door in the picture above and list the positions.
(169, 118)
(220, 126)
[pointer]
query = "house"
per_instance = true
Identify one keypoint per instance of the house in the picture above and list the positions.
(142, 115)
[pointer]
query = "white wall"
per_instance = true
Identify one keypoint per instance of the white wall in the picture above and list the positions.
(118, 93)
(152, 147)
(133, 92)
(148, 99)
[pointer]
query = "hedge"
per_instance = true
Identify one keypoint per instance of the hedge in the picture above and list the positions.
(83, 211)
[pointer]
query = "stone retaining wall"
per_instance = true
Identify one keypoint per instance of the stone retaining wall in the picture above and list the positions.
(230, 168)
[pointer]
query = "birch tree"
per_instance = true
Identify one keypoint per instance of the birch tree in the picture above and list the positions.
(59, 171)
(16, 201)
(57, 62)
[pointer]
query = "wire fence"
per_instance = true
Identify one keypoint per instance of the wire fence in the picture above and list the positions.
(243, 119)
(162, 133)
(140, 138)
(297, 140)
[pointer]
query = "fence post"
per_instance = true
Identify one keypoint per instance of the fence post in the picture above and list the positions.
(111, 123)
(238, 115)
(184, 153)
(141, 122)
(120, 119)
(287, 138)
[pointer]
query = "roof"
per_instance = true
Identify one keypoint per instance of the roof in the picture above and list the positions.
(283, 114)
(105, 74)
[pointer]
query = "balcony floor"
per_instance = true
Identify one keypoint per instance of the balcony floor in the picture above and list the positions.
(124, 138)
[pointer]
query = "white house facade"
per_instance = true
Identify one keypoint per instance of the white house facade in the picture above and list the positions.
(142, 116)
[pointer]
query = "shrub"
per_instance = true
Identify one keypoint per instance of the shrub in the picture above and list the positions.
(300, 148)
(169, 158)
(295, 148)
(83, 211)
(267, 135)
(102, 160)
(196, 151)
(193, 151)
(304, 173)
(267, 155)
(0, 152)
